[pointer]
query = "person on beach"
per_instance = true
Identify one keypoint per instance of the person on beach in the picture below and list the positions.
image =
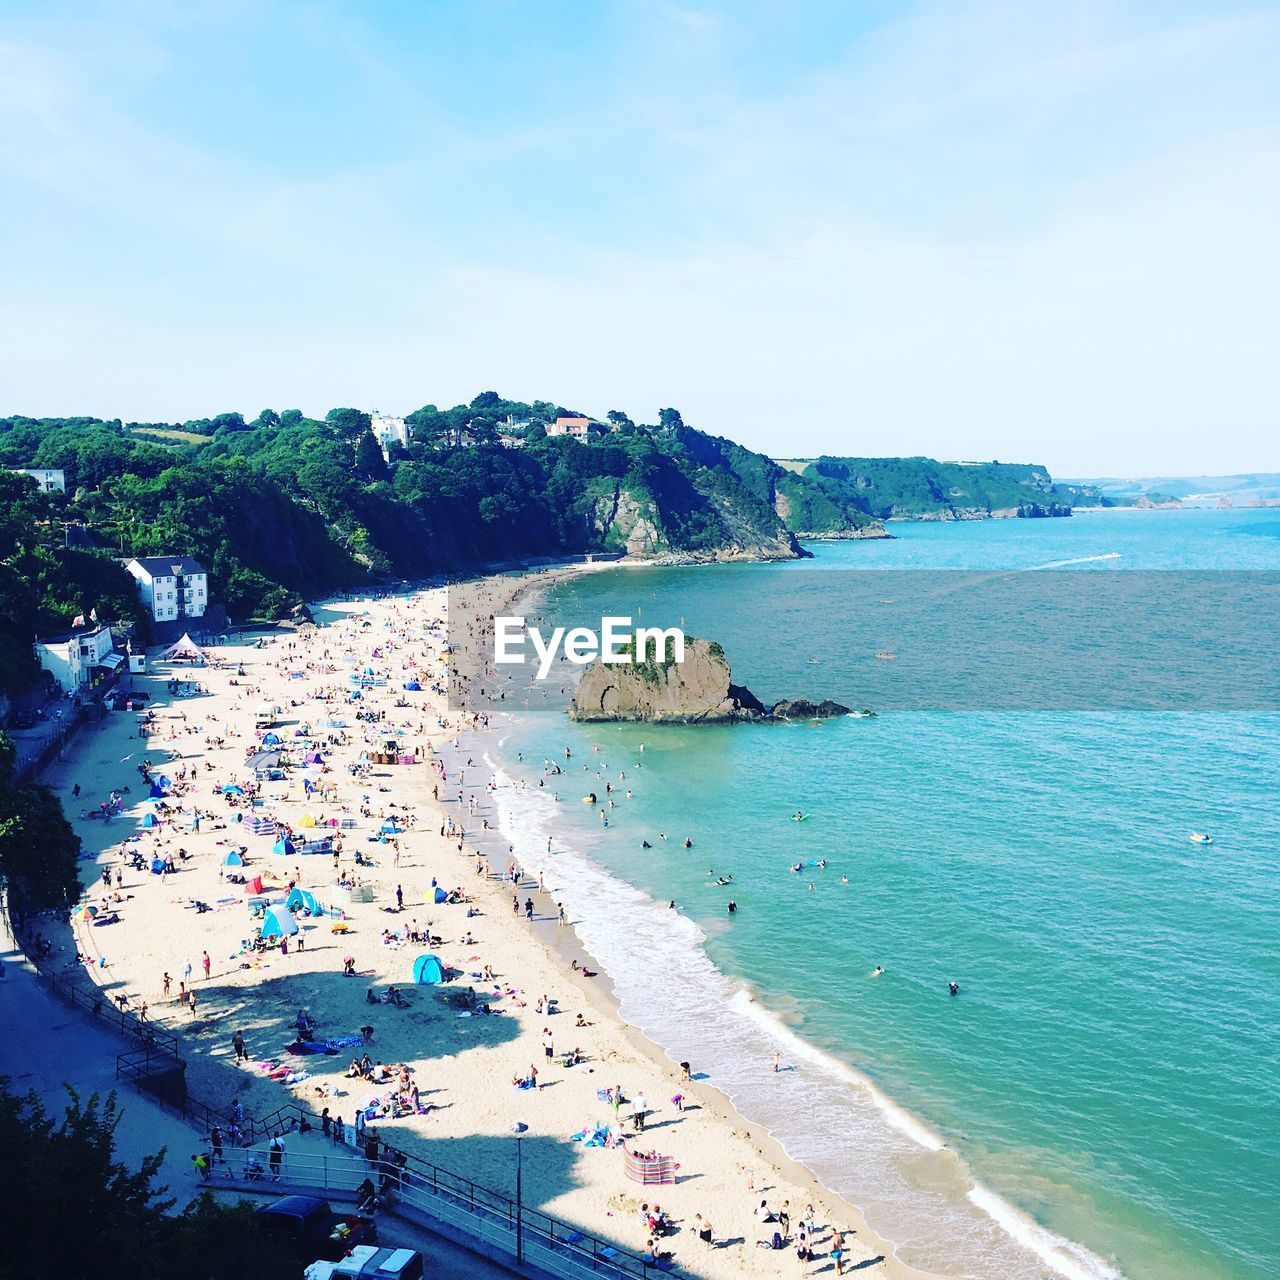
(237, 1043)
(207, 963)
(705, 1231)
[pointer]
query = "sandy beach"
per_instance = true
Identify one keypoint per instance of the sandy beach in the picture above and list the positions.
(404, 836)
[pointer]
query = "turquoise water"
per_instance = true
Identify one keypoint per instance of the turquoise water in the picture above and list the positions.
(1101, 1096)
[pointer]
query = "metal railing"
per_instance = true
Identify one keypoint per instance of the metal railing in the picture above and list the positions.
(493, 1221)
(103, 1010)
(440, 1195)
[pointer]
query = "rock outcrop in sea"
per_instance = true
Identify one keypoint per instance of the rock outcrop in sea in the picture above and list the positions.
(699, 690)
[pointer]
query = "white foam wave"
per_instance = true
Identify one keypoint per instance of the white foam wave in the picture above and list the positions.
(1062, 564)
(1070, 1260)
(800, 1048)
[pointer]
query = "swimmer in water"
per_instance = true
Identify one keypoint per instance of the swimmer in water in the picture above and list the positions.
(688, 844)
(644, 844)
(877, 971)
(953, 988)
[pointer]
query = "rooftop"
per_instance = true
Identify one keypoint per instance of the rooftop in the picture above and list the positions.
(162, 566)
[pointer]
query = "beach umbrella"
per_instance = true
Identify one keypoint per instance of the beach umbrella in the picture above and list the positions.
(84, 912)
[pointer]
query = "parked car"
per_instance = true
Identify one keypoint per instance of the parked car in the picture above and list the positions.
(313, 1230)
(367, 1262)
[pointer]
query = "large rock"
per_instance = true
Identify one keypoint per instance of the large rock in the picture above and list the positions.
(699, 690)
(803, 709)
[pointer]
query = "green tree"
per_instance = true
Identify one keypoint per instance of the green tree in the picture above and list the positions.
(669, 419)
(348, 423)
(39, 852)
(77, 1210)
(369, 460)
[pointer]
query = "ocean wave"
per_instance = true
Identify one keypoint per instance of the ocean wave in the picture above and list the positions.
(821, 1110)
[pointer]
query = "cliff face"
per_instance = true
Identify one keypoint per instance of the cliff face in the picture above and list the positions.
(698, 690)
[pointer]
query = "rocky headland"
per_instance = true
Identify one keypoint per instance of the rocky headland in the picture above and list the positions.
(699, 690)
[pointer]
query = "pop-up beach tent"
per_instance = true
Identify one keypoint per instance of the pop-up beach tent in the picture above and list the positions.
(441, 895)
(284, 845)
(428, 971)
(234, 858)
(149, 820)
(277, 922)
(303, 900)
(270, 739)
(308, 820)
(260, 826)
(184, 648)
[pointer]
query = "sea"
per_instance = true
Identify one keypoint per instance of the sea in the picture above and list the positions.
(1100, 1099)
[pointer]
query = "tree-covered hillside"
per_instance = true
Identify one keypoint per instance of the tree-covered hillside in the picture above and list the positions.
(284, 507)
(922, 488)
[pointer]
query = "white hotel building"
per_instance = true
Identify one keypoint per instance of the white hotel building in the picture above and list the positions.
(171, 586)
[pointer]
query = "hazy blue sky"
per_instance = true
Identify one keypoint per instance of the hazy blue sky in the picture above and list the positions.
(1032, 231)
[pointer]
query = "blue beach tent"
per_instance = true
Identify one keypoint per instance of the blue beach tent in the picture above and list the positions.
(149, 820)
(303, 900)
(233, 859)
(284, 845)
(441, 895)
(428, 971)
(157, 866)
(278, 923)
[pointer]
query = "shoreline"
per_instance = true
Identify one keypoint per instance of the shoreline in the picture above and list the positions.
(158, 930)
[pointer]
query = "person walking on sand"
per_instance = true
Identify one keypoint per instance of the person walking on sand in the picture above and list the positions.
(548, 1043)
(399, 898)
(706, 1232)
(639, 1109)
(166, 983)
(191, 1003)
(237, 1043)
(528, 908)
(207, 963)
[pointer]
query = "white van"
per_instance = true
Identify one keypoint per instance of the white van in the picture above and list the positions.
(368, 1262)
(266, 716)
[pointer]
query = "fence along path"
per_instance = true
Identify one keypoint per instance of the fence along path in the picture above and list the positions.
(426, 1190)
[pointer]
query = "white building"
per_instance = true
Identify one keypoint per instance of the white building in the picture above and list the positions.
(72, 660)
(171, 586)
(575, 428)
(49, 481)
(389, 431)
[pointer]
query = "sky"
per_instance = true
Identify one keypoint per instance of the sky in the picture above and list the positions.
(1027, 231)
